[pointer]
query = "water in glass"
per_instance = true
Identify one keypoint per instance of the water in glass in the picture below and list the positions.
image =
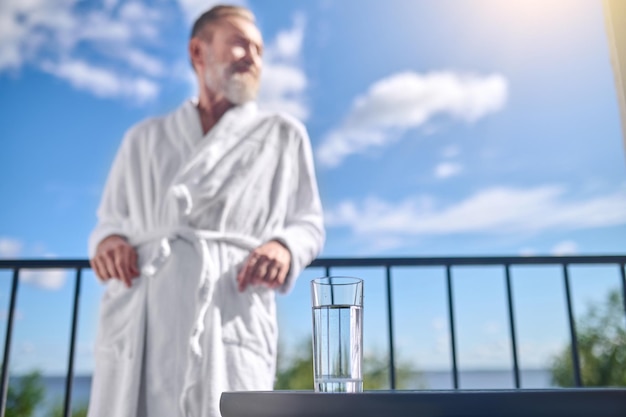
(337, 341)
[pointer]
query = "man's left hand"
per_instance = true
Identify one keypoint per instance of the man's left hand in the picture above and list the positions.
(267, 265)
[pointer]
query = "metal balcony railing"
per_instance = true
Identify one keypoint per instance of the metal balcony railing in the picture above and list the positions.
(78, 265)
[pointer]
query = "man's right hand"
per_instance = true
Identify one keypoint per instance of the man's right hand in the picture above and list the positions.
(115, 258)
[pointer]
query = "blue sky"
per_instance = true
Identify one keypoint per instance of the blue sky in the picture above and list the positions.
(439, 128)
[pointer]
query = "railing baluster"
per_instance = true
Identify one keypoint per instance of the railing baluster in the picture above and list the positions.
(455, 370)
(572, 328)
(4, 382)
(622, 270)
(330, 281)
(392, 361)
(69, 380)
(509, 293)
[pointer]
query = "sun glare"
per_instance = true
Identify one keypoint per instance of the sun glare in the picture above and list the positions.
(535, 15)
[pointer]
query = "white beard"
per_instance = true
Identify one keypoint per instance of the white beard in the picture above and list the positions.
(238, 88)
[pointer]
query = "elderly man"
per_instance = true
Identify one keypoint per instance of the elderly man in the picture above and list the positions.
(206, 213)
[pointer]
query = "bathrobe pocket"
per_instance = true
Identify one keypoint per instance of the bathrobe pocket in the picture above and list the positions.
(118, 351)
(121, 315)
(248, 318)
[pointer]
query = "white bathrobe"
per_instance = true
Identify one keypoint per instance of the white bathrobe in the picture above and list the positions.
(194, 206)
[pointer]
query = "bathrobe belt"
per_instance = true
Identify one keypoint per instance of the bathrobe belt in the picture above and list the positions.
(199, 239)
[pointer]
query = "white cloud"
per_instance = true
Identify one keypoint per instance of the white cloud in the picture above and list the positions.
(10, 55)
(110, 4)
(57, 28)
(9, 247)
(447, 170)
(410, 100)
(567, 247)
(110, 50)
(102, 82)
(99, 27)
(137, 12)
(288, 43)
(283, 81)
(17, 40)
(281, 90)
(48, 279)
(47, 35)
(499, 210)
(143, 62)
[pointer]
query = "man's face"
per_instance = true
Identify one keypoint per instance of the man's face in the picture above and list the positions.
(233, 59)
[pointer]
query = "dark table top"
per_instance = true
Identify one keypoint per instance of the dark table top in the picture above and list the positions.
(581, 402)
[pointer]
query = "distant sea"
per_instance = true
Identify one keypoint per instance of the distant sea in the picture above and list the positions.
(478, 379)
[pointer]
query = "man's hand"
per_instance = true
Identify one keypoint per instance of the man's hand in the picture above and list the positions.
(115, 258)
(267, 265)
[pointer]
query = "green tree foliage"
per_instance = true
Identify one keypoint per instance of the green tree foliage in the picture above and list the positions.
(376, 372)
(25, 395)
(601, 347)
(296, 372)
(57, 411)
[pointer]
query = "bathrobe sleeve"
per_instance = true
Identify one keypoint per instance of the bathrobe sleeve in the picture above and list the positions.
(113, 212)
(303, 233)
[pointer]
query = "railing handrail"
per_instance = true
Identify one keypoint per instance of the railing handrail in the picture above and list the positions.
(469, 260)
(56, 263)
(25, 263)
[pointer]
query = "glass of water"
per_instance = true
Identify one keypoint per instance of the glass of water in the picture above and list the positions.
(337, 334)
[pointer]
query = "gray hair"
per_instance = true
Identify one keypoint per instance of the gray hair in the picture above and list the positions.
(216, 13)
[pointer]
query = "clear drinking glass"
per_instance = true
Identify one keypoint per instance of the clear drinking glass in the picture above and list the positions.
(337, 334)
